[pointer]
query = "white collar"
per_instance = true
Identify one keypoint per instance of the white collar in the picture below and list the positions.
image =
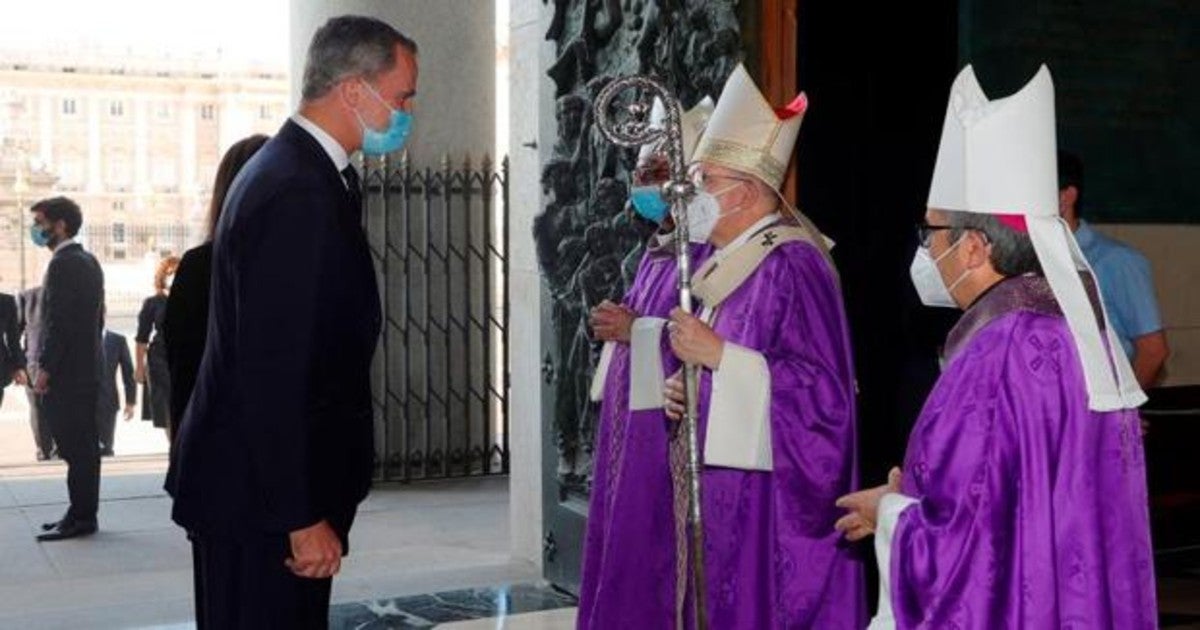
(747, 234)
(332, 147)
(70, 241)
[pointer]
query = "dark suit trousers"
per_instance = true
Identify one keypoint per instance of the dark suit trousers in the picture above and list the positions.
(71, 416)
(244, 584)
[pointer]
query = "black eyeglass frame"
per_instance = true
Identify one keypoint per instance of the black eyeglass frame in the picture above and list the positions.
(925, 232)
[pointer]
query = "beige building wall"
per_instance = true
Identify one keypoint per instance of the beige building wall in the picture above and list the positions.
(135, 140)
(1174, 253)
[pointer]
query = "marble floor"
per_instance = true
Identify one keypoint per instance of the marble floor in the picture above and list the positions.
(540, 607)
(537, 606)
(524, 606)
(561, 619)
(516, 607)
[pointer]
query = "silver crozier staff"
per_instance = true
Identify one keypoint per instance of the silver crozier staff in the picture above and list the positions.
(678, 190)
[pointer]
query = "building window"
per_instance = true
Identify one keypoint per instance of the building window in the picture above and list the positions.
(68, 107)
(265, 113)
(116, 108)
(208, 112)
(70, 173)
(169, 238)
(163, 173)
(163, 111)
(118, 206)
(119, 172)
(118, 232)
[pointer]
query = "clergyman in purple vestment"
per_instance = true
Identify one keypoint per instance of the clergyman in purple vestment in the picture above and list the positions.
(1022, 498)
(630, 559)
(1032, 509)
(776, 397)
(631, 562)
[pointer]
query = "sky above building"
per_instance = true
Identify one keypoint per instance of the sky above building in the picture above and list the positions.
(237, 30)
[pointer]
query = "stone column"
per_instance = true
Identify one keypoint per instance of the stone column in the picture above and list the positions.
(141, 147)
(531, 102)
(45, 118)
(187, 105)
(91, 106)
(455, 104)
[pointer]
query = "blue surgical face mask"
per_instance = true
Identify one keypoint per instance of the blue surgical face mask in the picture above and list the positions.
(40, 237)
(648, 202)
(389, 140)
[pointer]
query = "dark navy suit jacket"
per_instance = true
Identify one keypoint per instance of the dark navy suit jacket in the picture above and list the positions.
(72, 294)
(116, 355)
(279, 432)
(12, 357)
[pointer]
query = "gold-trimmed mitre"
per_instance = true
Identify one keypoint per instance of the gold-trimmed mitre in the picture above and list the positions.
(748, 135)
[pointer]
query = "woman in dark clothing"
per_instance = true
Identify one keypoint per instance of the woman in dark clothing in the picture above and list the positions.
(152, 353)
(186, 324)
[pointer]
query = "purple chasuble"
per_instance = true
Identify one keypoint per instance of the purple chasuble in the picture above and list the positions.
(1032, 509)
(629, 560)
(772, 557)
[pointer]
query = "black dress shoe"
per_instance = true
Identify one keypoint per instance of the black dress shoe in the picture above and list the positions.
(64, 531)
(53, 524)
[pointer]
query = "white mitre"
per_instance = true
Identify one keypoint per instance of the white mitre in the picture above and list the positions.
(1000, 157)
(747, 135)
(693, 122)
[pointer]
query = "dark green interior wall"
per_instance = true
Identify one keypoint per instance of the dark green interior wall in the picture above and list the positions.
(1127, 95)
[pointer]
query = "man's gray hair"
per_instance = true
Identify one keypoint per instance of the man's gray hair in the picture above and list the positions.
(349, 46)
(1012, 251)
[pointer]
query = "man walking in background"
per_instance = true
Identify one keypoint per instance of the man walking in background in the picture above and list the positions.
(116, 354)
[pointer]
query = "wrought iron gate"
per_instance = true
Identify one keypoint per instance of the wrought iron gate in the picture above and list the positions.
(439, 239)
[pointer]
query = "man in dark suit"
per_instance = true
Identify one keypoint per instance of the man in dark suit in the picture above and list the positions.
(69, 361)
(276, 448)
(116, 354)
(29, 306)
(12, 357)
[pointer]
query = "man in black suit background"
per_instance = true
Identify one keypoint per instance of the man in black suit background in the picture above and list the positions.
(29, 304)
(69, 360)
(12, 357)
(276, 448)
(116, 355)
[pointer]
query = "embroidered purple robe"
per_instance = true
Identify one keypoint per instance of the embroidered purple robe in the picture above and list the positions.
(773, 559)
(630, 560)
(1030, 509)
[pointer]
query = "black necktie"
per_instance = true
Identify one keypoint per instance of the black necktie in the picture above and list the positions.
(354, 187)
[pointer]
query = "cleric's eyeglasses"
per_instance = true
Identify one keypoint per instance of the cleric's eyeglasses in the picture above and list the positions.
(925, 233)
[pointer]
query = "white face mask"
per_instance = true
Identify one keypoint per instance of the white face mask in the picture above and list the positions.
(928, 280)
(703, 213)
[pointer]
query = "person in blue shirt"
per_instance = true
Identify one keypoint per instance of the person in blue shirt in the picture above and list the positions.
(1123, 273)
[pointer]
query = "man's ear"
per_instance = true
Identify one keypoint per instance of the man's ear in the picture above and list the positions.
(978, 248)
(350, 92)
(753, 192)
(744, 195)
